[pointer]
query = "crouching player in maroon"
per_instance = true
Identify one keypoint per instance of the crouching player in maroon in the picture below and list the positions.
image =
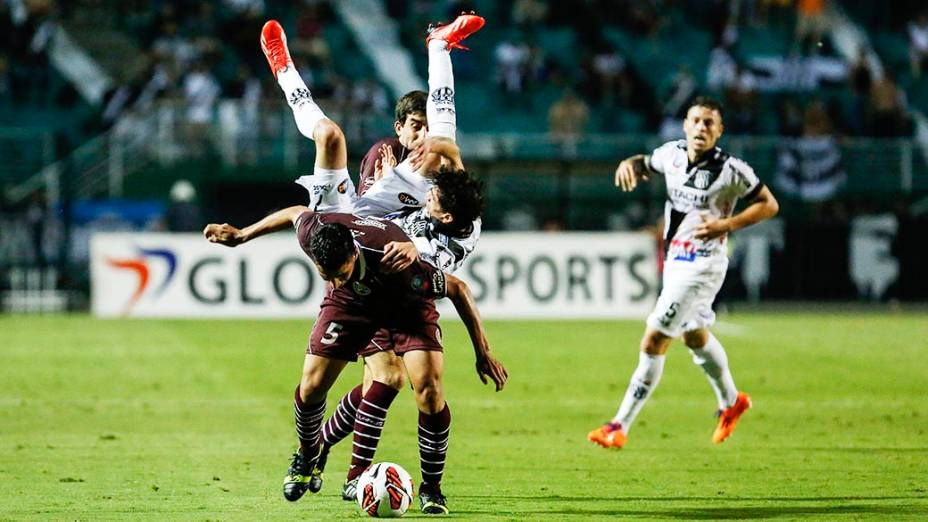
(363, 297)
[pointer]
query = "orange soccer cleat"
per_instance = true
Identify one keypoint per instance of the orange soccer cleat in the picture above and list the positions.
(729, 417)
(274, 45)
(609, 435)
(457, 31)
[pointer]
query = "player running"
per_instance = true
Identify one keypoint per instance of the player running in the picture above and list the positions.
(331, 188)
(703, 185)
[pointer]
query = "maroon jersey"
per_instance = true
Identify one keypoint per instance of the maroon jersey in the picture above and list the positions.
(369, 285)
(373, 154)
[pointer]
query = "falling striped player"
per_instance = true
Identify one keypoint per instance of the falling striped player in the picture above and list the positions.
(399, 189)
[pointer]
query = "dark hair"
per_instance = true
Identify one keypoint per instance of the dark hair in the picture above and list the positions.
(331, 246)
(411, 102)
(459, 194)
(707, 102)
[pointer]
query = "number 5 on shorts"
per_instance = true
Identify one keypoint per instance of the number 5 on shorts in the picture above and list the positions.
(669, 314)
(331, 333)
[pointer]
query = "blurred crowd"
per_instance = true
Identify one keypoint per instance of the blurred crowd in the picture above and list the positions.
(26, 30)
(198, 52)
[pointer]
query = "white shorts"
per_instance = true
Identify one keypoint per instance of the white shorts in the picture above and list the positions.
(399, 190)
(329, 191)
(685, 303)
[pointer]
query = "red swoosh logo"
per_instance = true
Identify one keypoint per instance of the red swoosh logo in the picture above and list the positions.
(140, 268)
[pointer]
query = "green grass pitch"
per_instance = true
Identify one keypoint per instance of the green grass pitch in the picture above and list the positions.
(192, 420)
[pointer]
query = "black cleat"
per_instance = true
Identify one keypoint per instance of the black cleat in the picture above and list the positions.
(315, 476)
(350, 490)
(298, 476)
(432, 502)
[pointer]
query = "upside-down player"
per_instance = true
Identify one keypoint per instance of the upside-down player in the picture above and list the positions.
(328, 186)
(444, 232)
(703, 185)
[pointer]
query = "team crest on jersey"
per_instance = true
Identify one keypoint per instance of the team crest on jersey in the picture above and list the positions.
(370, 222)
(417, 283)
(416, 227)
(342, 187)
(702, 179)
(360, 288)
(407, 199)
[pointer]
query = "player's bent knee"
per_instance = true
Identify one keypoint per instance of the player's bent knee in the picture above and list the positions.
(328, 134)
(654, 342)
(430, 398)
(311, 389)
(394, 380)
(696, 339)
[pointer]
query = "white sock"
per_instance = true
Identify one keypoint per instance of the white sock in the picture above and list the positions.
(714, 362)
(305, 111)
(439, 106)
(644, 381)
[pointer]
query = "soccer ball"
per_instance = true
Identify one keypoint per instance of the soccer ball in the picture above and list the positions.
(385, 490)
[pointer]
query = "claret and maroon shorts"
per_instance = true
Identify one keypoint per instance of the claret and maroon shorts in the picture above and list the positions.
(345, 332)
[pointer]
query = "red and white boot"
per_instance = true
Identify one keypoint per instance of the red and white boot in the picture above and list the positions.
(274, 45)
(457, 31)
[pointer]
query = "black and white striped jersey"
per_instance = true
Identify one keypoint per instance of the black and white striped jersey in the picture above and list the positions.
(709, 187)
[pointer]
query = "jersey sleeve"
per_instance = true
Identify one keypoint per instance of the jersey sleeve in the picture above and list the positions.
(660, 157)
(425, 280)
(745, 182)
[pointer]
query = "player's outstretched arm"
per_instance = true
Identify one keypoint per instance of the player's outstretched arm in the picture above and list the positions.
(763, 206)
(463, 299)
(226, 234)
(630, 171)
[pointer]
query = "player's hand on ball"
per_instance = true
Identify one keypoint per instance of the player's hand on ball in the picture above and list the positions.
(489, 366)
(397, 256)
(712, 228)
(224, 234)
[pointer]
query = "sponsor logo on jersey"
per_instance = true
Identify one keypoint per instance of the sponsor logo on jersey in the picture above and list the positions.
(700, 200)
(407, 199)
(360, 288)
(370, 222)
(319, 189)
(682, 250)
(438, 283)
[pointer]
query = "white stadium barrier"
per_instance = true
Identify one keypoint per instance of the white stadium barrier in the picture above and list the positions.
(513, 275)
